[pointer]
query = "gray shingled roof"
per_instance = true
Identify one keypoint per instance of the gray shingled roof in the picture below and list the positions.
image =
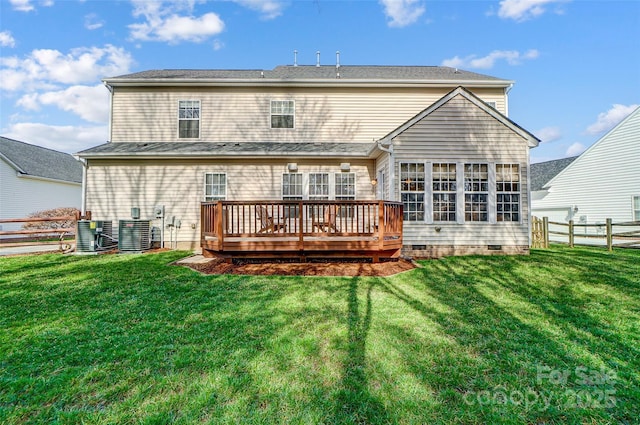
(543, 172)
(301, 73)
(226, 149)
(40, 162)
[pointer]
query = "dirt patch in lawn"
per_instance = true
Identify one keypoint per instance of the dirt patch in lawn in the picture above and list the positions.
(355, 268)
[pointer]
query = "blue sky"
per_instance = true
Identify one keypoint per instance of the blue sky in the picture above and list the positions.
(576, 64)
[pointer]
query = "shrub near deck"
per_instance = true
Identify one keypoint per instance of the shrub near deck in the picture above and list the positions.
(128, 339)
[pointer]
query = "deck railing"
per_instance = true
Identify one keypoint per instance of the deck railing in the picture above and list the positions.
(301, 225)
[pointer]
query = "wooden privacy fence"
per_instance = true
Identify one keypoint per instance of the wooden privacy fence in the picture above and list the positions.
(619, 235)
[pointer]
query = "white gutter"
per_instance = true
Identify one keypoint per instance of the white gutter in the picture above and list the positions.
(392, 161)
(110, 108)
(228, 82)
(506, 99)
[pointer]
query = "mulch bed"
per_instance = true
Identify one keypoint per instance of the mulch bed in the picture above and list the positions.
(218, 266)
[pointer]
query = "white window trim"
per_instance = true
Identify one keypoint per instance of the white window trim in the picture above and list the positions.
(306, 187)
(425, 193)
(271, 114)
(430, 192)
(304, 193)
(199, 120)
(355, 185)
(488, 193)
(204, 188)
(633, 207)
(495, 181)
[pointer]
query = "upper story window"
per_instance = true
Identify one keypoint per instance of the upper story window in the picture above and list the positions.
(282, 113)
(189, 119)
(476, 192)
(215, 187)
(508, 192)
(412, 178)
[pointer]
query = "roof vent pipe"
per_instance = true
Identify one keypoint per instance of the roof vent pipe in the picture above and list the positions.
(318, 58)
(338, 59)
(295, 58)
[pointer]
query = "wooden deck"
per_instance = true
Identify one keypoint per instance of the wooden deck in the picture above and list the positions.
(301, 229)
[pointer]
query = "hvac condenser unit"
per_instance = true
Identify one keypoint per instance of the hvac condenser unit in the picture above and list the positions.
(94, 236)
(134, 235)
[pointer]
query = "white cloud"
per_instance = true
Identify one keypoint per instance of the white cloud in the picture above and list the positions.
(269, 9)
(22, 5)
(6, 39)
(402, 12)
(89, 103)
(575, 149)
(548, 134)
(607, 120)
(218, 45)
(93, 22)
(47, 69)
(68, 139)
(523, 10)
(163, 22)
(27, 6)
(512, 57)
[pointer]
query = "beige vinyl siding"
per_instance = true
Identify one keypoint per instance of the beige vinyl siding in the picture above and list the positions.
(459, 132)
(243, 114)
(114, 187)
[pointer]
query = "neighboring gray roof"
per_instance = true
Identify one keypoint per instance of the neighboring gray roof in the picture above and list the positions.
(37, 161)
(228, 149)
(542, 172)
(288, 73)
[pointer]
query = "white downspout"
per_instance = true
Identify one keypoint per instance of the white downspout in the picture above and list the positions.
(389, 150)
(83, 202)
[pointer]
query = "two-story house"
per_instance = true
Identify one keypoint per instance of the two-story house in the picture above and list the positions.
(435, 140)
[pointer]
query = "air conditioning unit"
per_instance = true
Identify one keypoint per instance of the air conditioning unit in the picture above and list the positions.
(134, 235)
(94, 236)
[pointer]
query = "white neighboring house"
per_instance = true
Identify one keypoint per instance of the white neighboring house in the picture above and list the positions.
(33, 178)
(603, 182)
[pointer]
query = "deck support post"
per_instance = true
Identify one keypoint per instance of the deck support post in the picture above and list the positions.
(218, 225)
(609, 235)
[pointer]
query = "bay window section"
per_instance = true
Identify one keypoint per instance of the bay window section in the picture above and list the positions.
(188, 119)
(444, 192)
(476, 192)
(508, 192)
(215, 187)
(412, 189)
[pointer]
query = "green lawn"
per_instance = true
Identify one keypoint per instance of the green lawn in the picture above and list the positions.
(553, 337)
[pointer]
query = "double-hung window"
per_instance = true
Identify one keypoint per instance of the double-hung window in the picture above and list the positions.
(189, 119)
(508, 192)
(292, 187)
(318, 186)
(215, 187)
(345, 186)
(636, 208)
(444, 191)
(412, 178)
(476, 192)
(283, 113)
